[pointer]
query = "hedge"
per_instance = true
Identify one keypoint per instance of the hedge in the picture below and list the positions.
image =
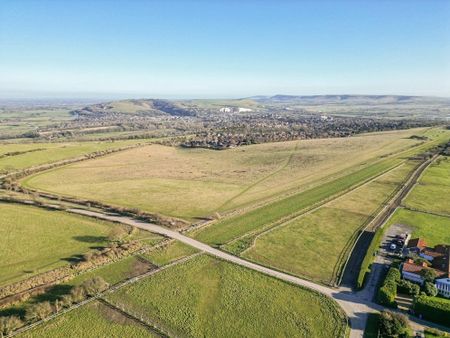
(434, 309)
(368, 258)
(388, 290)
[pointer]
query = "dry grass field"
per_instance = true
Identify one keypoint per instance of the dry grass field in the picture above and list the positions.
(191, 183)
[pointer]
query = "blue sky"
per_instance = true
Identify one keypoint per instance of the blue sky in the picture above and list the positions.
(183, 49)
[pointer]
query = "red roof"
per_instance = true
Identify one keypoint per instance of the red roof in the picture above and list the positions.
(417, 243)
(412, 267)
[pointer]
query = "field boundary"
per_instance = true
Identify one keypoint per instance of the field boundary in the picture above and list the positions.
(102, 294)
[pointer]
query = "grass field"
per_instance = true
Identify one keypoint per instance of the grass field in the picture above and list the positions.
(191, 183)
(93, 320)
(432, 191)
(34, 240)
(223, 231)
(205, 297)
(33, 154)
(316, 244)
(169, 253)
(432, 228)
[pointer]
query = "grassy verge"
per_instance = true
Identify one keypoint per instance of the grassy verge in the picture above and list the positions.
(168, 253)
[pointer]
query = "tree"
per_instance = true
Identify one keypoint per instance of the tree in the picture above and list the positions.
(9, 324)
(428, 275)
(94, 286)
(393, 325)
(430, 289)
(38, 311)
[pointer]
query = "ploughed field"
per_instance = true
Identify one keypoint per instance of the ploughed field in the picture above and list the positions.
(34, 240)
(190, 183)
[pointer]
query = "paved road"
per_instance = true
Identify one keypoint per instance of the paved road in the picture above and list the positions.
(355, 308)
(354, 305)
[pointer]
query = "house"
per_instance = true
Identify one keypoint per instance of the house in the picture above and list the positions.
(416, 245)
(439, 259)
(443, 286)
(412, 271)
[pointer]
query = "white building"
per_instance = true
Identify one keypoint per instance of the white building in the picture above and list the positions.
(443, 286)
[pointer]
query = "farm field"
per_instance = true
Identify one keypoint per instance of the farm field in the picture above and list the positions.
(208, 297)
(34, 240)
(433, 187)
(93, 320)
(190, 183)
(315, 245)
(15, 156)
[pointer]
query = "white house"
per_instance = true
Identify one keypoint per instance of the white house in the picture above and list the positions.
(443, 286)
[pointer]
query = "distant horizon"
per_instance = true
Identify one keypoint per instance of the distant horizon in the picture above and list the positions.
(150, 97)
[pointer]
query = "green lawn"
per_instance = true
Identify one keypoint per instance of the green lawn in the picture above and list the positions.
(34, 240)
(433, 189)
(433, 229)
(169, 253)
(93, 320)
(206, 297)
(316, 245)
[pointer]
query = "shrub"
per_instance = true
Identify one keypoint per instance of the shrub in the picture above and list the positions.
(78, 294)
(393, 325)
(38, 311)
(433, 308)
(9, 324)
(408, 287)
(430, 289)
(94, 286)
(436, 333)
(388, 290)
(368, 258)
(429, 275)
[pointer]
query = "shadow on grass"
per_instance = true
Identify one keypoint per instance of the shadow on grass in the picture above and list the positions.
(90, 239)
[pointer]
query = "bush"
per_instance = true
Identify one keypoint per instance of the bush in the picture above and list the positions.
(94, 286)
(430, 289)
(368, 258)
(436, 333)
(38, 311)
(408, 287)
(393, 325)
(388, 290)
(433, 308)
(9, 324)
